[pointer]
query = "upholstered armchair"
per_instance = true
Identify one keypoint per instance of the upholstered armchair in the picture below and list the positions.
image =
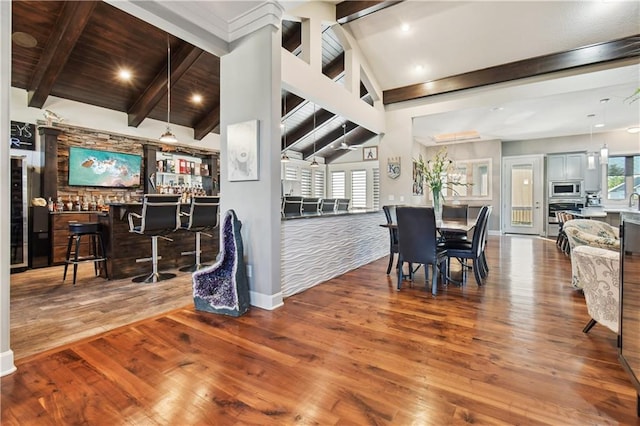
(593, 233)
(598, 273)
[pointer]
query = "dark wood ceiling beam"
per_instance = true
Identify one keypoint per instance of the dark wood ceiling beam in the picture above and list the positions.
(181, 60)
(207, 123)
(293, 40)
(335, 67)
(589, 55)
(357, 137)
(348, 11)
(307, 127)
(71, 22)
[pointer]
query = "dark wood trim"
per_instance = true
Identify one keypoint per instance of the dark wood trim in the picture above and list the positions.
(583, 56)
(348, 11)
(71, 23)
(181, 61)
(206, 125)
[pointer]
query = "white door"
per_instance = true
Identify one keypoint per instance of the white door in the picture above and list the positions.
(522, 195)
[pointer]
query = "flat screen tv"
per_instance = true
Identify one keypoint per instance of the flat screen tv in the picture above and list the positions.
(91, 167)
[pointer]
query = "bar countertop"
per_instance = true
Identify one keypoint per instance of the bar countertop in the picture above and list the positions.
(328, 214)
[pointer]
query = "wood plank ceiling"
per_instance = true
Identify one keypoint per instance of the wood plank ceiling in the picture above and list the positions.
(80, 47)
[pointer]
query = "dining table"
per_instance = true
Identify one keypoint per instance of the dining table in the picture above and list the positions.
(449, 225)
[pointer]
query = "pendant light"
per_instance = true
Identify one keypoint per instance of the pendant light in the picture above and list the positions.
(314, 163)
(604, 151)
(167, 136)
(591, 156)
(284, 158)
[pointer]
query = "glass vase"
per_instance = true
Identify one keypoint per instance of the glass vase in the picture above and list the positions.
(437, 203)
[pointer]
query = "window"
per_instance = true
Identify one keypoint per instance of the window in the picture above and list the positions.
(290, 172)
(359, 188)
(623, 176)
(305, 182)
(318, 183)
(338, 184)
(376, 188)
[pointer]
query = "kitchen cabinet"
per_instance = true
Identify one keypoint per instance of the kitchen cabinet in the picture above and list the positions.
(566, 166)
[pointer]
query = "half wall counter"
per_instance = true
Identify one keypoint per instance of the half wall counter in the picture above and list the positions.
(319, 246)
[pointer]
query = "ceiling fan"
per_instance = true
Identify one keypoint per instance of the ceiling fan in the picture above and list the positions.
(343, 145)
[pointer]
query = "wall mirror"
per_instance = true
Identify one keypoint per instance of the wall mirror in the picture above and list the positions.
(475, 173)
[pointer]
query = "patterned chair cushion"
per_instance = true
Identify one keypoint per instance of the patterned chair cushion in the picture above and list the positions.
(594, 233)
(598, 272)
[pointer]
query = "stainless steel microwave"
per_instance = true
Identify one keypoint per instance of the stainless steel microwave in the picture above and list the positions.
(566, 189)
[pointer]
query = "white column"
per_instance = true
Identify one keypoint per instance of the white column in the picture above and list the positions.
(250, 81)
(6, 354)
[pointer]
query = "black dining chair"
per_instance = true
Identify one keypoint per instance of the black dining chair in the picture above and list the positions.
(390, 214)
(474, 249)
(417, 244)
(458, 212)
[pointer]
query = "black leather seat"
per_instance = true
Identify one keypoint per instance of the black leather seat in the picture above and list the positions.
(328, 205)
(310, 205)
(201, 218)
(454, 212)
(342, 204)
(292, 205)
(160, 216)
(390, 214)
(417, 243)
(473, 249)
(96, 250)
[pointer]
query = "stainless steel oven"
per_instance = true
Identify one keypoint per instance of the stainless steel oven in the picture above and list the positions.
(557, 205)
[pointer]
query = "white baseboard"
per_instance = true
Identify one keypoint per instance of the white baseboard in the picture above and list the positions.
(6, 363)
(266, 301)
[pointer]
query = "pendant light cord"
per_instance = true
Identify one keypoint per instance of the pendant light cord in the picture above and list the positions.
(168, 80)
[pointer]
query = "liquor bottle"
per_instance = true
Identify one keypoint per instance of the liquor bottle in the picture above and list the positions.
(50, 204)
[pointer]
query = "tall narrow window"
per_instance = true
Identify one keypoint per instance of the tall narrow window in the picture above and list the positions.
(376, 188)
(359, 188)
(305, 182)
(318, 183)
(338, 184)
(290, 172)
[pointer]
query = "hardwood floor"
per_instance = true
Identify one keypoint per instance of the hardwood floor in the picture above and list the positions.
(350, 351)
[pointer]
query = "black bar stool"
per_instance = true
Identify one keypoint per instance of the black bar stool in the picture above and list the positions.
(160, 216)
(96, 249)
(202, 218)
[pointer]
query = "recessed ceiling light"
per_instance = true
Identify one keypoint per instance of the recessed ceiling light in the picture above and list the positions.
(24, 39)
(598, 125)
(124, 74)
(405, 27)
(196, 98)
(634, 129)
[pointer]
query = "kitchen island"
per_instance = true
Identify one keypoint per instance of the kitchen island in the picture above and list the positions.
(316, 247)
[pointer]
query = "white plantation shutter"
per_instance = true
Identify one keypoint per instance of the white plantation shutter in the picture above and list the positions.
(318, 183)
(338, 184)
(359, 188)
(305, 182)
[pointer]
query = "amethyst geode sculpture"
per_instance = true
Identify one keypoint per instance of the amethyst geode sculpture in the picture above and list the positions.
(223, 288)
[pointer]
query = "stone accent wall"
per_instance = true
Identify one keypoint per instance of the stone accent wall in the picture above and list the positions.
(93, 139)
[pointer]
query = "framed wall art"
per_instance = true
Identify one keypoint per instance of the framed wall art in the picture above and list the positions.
(370, 153)
(242, 150)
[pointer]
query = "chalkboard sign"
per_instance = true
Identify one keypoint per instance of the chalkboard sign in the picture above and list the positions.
(23, 136)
